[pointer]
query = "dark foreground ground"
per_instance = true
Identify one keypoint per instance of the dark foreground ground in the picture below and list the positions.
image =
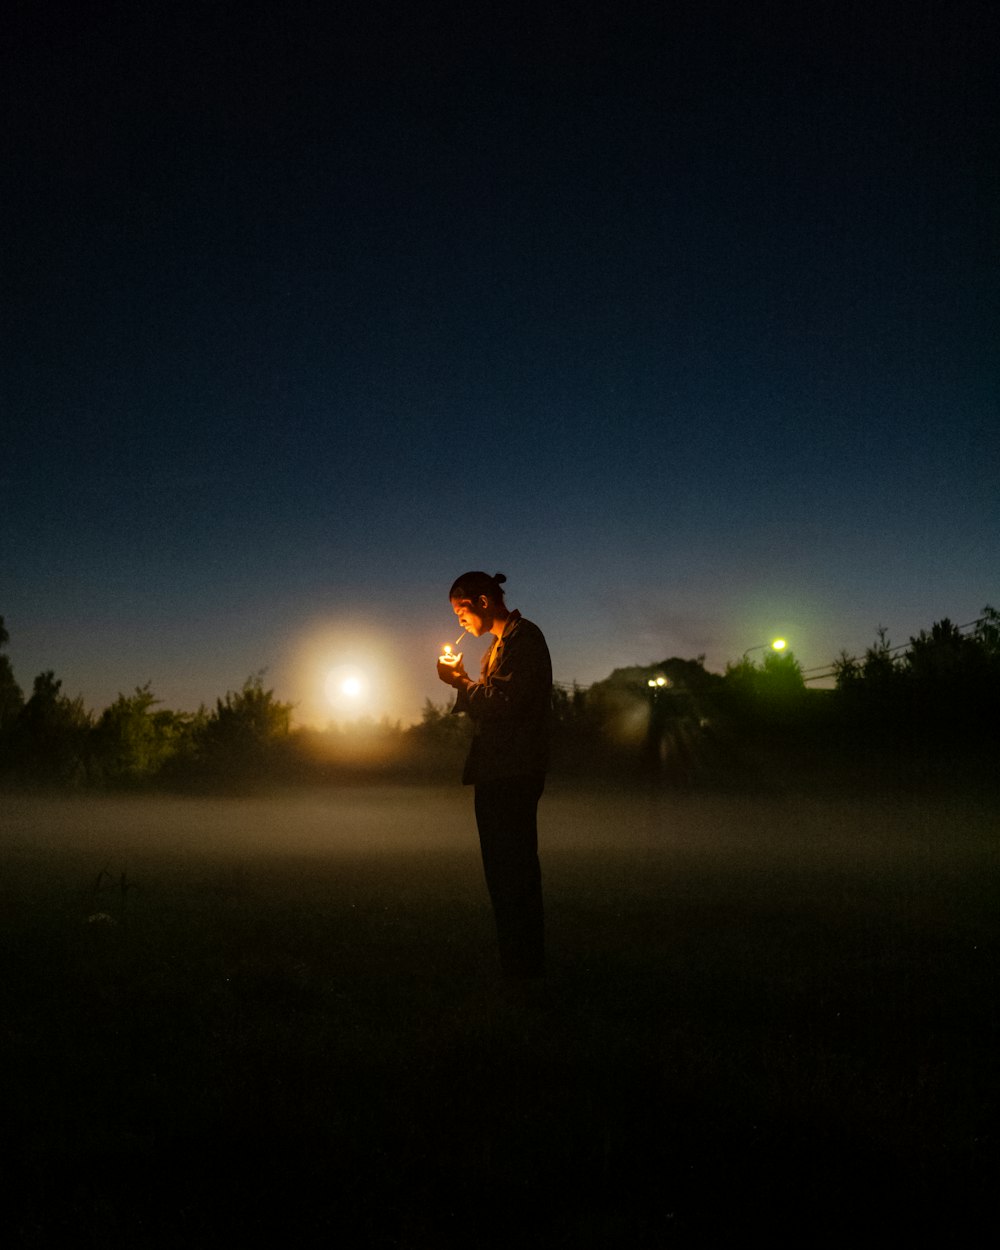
(770, 1017)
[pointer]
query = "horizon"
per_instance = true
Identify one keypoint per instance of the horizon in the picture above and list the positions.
(332, 709)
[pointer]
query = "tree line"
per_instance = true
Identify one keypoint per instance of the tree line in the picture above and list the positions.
(936, 696)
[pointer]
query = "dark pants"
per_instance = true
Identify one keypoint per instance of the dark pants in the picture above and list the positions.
(506, 815)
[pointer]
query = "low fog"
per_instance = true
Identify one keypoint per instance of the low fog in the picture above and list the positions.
(373, 821)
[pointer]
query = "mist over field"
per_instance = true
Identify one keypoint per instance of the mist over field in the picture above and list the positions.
(373, 819)
(284, 1013)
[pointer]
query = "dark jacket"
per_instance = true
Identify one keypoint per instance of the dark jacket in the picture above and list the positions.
(510, 707)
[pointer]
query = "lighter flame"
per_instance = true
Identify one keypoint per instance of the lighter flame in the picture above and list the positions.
(447, 651)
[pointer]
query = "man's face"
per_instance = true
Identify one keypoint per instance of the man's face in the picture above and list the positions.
(473, 615)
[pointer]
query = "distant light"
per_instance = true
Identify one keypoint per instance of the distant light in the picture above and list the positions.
(779, 644)
(343, 688)
(651, 682)
(661, 681)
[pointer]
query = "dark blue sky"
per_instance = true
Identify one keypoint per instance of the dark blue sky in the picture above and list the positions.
(683, 316)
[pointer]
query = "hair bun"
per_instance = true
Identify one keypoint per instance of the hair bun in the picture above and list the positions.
(475, 583)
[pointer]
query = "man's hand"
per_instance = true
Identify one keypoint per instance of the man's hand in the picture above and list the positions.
(451, 671)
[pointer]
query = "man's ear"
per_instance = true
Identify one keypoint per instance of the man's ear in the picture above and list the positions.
(484, 603)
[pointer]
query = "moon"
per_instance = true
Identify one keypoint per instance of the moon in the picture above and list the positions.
(345, 687)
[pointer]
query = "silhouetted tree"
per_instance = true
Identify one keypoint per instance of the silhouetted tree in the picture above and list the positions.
(953, 678)
(987, 633)
(771, 690)
(437, 744)
(871, 694)
(244, 738)
(440, 727)
(132, 742)
(781, 676)
(944, 656)
(49, 740)
(941, 695)
(879, 671)
(11, 694)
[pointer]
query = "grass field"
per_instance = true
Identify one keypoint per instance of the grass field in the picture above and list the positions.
(769, 1018)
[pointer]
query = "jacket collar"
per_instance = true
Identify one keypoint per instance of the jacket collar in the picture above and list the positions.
(490, 656)
(512, 620)
(508, 625)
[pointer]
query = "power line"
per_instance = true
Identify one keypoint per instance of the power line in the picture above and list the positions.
(817, 673)
(829, 670)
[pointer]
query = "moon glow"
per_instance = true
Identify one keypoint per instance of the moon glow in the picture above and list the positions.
(345, 687)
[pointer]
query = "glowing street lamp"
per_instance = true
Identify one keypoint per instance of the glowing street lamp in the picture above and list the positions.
(778, 645)
(658, 682)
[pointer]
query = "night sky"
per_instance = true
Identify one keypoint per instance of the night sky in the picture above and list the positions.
(682, 316)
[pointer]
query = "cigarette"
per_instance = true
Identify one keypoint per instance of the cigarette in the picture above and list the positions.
(448, 645)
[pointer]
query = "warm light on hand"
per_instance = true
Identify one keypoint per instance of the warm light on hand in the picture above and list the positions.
(448, 650)
(450, 668)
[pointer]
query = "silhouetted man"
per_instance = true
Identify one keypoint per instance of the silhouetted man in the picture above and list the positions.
(509, 707)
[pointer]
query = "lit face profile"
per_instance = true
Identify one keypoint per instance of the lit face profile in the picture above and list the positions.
(475, 618)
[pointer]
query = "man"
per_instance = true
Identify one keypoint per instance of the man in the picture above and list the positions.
(509, 707)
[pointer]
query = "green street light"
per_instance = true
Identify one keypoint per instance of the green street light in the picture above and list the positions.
(779, 644)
